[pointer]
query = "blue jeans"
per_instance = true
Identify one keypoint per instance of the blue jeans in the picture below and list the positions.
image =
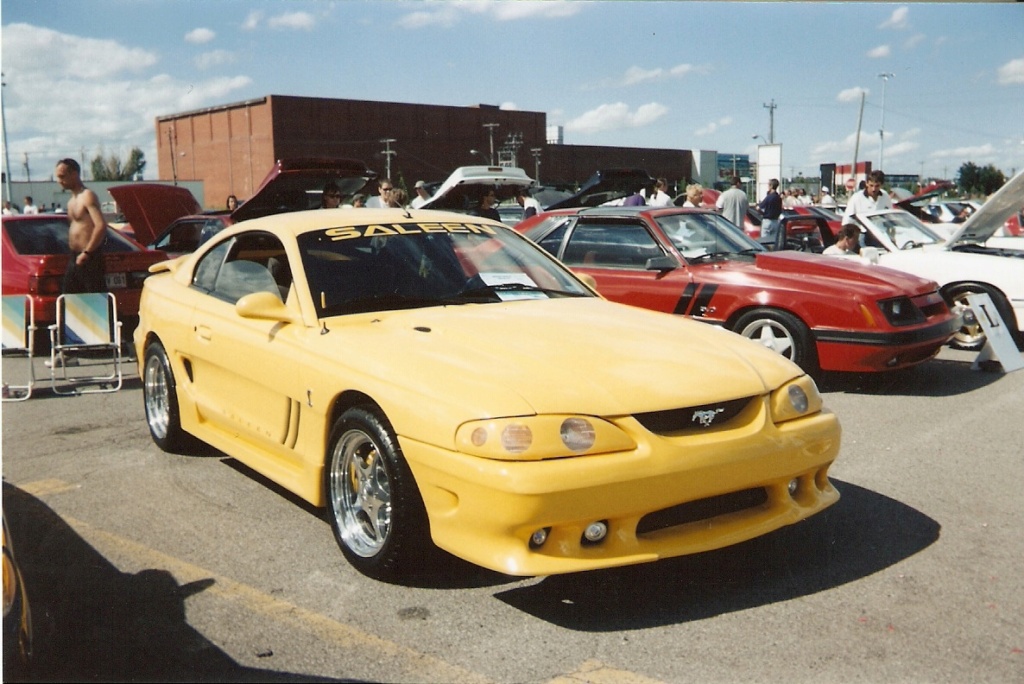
(770, 233)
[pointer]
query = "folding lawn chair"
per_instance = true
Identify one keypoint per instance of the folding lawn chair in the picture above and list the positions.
(86, 339)
(19, 321)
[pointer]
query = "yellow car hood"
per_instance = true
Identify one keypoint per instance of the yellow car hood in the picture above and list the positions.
(555, 356)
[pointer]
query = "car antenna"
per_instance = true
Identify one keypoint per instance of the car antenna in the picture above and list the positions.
(407, 214)
(323, 305)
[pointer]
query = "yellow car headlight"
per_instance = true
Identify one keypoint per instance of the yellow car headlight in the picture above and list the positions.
(795, 399)
(533, 438)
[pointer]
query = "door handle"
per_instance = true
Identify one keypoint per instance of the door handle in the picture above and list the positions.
(204, 333)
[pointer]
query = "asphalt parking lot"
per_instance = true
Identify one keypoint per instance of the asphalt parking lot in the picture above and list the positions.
(146, 566)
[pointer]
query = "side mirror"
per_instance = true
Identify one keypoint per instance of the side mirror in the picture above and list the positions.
(662, 263)
(265, 306)
(587, 279)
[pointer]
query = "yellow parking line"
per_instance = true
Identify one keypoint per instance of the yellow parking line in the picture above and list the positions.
(424, 667)
(40, 488)
(596, 672)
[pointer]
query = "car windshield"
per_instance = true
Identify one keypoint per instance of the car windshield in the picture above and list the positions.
(901, 230)
(410, 265)
(49, 235)
(705, 235)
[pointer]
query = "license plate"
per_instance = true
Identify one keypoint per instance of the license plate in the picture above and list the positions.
(116, 280)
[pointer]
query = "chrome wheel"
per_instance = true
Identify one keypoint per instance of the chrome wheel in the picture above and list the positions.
(970, 336)
(156, 394)
(360, 491)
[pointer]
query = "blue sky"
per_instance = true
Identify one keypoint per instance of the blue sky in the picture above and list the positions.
(94, 75)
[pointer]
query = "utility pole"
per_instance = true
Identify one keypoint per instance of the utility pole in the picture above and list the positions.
(388, 154)
(7, 158)
(490, 129)
(536, 163)
(28, 174)
(856, 142)
(881, 130)
(771, 121)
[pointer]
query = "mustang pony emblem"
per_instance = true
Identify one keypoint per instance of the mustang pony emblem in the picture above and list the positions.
(706, 417)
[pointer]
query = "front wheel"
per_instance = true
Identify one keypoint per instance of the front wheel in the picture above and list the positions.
(971, 336)
(375, 509)
(161, 400)
(781, 332)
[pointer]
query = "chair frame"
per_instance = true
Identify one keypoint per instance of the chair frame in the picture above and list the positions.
(27, 326)
(66, 344)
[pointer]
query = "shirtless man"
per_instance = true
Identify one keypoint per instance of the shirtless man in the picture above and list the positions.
(86, 234)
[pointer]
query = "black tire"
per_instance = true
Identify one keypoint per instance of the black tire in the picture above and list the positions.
(373, 503)
(159, 394)
(782, 332)
(971, 336)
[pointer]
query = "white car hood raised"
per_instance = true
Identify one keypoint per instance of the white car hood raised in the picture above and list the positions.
(984, 223)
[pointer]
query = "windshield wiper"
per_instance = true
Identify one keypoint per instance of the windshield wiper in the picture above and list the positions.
(495, 290)
(710, 255)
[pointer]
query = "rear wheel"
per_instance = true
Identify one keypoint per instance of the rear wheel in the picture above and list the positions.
(160, 396)
(971, 336)
(781, 332)
(375, 508)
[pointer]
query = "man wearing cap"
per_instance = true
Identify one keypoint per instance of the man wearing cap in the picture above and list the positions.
(827, 200)
(421, 195)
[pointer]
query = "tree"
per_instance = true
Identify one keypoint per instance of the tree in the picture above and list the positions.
(973, 179)
(111, 168)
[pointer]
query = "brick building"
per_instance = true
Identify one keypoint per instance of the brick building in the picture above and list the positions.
(231, 147)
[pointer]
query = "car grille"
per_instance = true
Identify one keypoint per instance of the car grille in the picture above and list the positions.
(702, 509)
(693, 418)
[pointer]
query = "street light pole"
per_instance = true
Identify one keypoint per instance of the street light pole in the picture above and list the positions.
(7, 158)
(536, 163)
(388, 154)
(881, 131)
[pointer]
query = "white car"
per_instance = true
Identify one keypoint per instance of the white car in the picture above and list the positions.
(970, 261)
(461, 191)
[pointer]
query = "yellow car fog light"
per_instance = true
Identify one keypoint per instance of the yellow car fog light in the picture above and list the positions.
(516, 438)
(795, 399)
(538, 538)
(595, 532)
(578, 434)
(479, 437)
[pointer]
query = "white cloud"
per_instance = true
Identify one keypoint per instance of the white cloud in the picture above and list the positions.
(913, 41)
(880, 51)
(292, 20)
(200, 36)
(1012, 72)
(899, 149)
(252, 21)
(116, 96)
(713, 126)
(447, 14)
(508, 106)
(852, 94)
(636, 75)
(898, 19)
(976, 152)
(214, 58)
(616, 116)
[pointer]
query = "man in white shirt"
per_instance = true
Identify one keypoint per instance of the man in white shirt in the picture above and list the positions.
(733, 203)
(29, 207)
(827, 200)
(421, 195)
(871, 198)
(847, 242)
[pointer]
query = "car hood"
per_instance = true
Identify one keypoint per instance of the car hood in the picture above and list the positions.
(606, 185)
(461, 190)
(552, 356)
(843, 273)
(151, 207)
(983, 224)
(291, 185)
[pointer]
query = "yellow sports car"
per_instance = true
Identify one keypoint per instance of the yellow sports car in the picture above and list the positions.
(435, 377)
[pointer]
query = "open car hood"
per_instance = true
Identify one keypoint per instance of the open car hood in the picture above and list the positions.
(606, 185)
(461, 191)
(291, 185)
(150, 207)
(983, 224)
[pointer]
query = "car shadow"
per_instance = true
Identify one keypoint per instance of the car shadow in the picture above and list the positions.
(92, 622)
(934, 378)
(864, 533)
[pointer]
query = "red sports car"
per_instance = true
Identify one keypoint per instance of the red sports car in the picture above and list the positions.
(822, 312)
(35, 256)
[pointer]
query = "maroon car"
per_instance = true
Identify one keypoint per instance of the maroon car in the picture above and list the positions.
(35, 256)
(169, 218)
(821, 312)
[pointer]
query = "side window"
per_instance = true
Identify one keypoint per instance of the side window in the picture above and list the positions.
(205, 276)
(182, 237)
(553, 240)
(611, 245)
